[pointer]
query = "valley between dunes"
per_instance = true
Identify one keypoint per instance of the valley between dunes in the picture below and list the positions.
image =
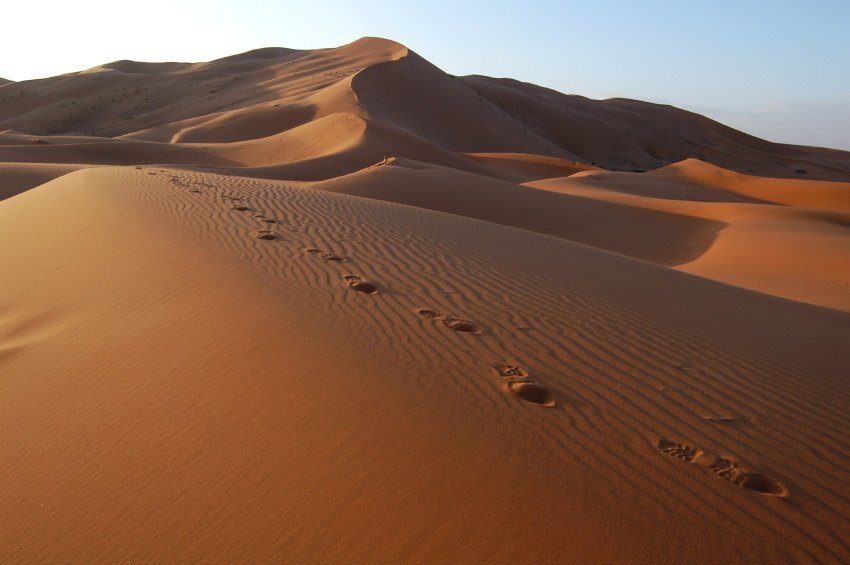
(337, 305)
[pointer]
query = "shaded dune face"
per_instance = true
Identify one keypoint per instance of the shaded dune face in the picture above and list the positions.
(337, 305)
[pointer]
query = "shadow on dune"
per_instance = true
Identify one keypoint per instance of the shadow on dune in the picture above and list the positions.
(660, 237)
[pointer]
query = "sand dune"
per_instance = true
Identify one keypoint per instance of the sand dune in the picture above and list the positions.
(336, 305)
(523, 167)
(798, 250)
(16, 178)
(163, 432)
(634, 135)
(267, 91)
(789, 192)
(658, 236)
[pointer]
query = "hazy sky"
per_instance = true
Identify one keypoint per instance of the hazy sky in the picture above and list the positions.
(779, 69)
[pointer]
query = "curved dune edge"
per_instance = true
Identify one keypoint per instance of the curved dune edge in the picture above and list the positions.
(727, 226)
(632, 231)
(16, 178)
(788, 238)
(719, 234)
(240, 378)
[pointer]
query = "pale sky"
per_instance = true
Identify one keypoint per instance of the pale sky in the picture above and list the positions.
(777, 69)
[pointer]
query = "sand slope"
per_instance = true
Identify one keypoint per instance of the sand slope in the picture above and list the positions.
(336, 305)
(267, 91)
(634, 135)
(789, 238)
(234, 398)
(658, 236)
(20, 177)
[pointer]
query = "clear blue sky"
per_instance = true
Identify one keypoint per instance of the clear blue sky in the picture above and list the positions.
(779, 69)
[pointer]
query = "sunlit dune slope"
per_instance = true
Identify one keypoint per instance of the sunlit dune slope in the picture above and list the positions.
(337, 305)
(20, 177)
(251, 95)
(798, 250)
(659, 236)
(265, 92)
(176, 387)
(789, 192)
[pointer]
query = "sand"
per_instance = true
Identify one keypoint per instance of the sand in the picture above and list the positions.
(313, 316)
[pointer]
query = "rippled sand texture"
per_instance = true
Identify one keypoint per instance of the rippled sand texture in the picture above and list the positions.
(337, 306)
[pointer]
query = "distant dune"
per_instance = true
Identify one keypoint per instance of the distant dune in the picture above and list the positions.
(337, 305)
(266, 92)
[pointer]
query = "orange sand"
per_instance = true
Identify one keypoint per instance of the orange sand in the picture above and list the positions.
(336, 305)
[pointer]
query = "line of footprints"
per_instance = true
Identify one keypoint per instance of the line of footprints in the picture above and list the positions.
(516, 378)
(723, 467)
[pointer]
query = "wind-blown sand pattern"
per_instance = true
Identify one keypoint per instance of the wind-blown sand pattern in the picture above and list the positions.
(315, 316)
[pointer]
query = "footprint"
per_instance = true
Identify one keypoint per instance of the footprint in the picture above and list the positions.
(358, 284)
(725, 468)
(268, 220)
(195, 190)
(461, 325)
(679, 451)
(511, 371)
(365, 287)
(333, 258)
(746, 478)
(533, 393)
(726, 420)
(428, 313)
(239, 207)
(312, 250)
(265, 234)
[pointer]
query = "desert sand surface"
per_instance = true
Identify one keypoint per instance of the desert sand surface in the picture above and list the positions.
(337, 305)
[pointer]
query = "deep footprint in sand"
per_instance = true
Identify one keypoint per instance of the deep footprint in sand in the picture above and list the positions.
(333, 258)
(239, 207)
(266, 235)
(533, 393)
(726, 469)
(678, 450)
(746, 478)
(461, 325)
(357, 283)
